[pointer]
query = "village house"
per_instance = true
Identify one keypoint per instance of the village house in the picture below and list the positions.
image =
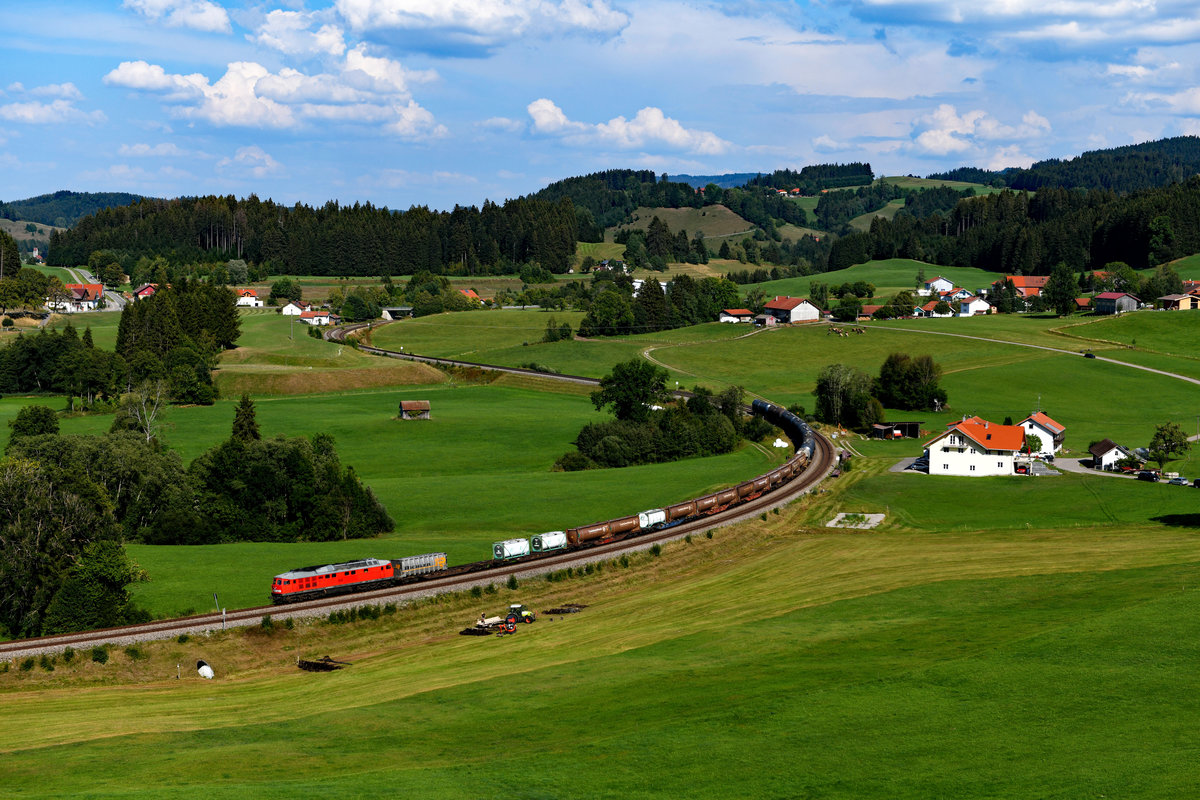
(1179, 302)
(930, 310)
(77, 297)
(971, 306)
(792, 309)
(976, 447)
(294, 308)
(1083, 303)
(1050, 432)
(1108, 303)
(937, 285)
(735, 315)
(1107, 453)
(248, 298)
(470, 295)
(1027, 286)
(315, 317)
(144, 291)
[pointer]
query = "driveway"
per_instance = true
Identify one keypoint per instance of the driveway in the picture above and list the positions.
(1073, 465)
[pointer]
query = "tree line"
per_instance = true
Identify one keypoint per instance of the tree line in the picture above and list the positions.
(615, 310)
(847, 397)
(815, 177)
(350, 240)
(68, 502)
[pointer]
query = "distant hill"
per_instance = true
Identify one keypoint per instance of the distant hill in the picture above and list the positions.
(1119, 169)
(63, 209)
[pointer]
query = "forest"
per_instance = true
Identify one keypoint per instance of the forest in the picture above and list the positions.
(63, 209)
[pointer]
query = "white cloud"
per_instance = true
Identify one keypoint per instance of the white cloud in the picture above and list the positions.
(1185, 102)
(291, 32)
(946, 132)
(56, 112)
(503, 124)
(827, 144)
(368, 90)
(163, 149)
(650, 127)
(253, 160)
(484, 22)
(67, 91)
(201, 15)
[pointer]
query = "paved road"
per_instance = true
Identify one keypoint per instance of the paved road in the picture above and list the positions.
(112, 300)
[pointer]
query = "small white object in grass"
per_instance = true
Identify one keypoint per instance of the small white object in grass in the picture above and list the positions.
(204, 669)
(780, 443)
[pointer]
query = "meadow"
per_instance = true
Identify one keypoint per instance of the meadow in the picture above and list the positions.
(715, 221)
(888, 276)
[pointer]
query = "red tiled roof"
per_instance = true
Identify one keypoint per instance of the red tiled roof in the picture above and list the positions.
(1113, 295)
(313, 314)
(781, 303)
(1045, 422)
(869, 310)
(1028, 281)
(988, 435)
(1083, 302)
(247, 293)
(470, 293)
(931, 305)
(738, 312)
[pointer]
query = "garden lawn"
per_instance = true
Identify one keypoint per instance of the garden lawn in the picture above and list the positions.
(770, 664)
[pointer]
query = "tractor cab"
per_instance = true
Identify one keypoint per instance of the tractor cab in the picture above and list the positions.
(520, 613)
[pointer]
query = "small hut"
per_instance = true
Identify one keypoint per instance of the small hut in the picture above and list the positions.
(414, 409)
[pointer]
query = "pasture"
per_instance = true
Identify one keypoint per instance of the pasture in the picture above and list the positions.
(715, 221)
(889, 277)
(976, 664)
(863, 221)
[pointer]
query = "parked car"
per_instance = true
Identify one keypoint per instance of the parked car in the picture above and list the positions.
(1089, 355)
(1022, 469)
(1196, 483)
(1147, 475)
(1178, 481)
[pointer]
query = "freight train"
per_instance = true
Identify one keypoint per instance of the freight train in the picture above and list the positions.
(308, 583)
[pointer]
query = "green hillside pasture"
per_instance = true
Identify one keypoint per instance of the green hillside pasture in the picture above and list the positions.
(467, 335)
(477, 472)
(716, 221)
(16, 229)
(103, 324)
(1018, 502)
(1175, 333)
(993, 380)
(598, 251)
(767, 665)
(889, 277)
(863, 221)
(796, 233)
(909, 182)
(275, 355)
(1188, 267)
(499, 337)
(61, 273)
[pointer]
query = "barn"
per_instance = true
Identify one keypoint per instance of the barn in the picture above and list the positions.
(414, 409)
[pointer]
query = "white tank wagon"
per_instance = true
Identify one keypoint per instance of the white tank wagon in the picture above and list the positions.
(652, 518)
(554, 540)
(510, 548)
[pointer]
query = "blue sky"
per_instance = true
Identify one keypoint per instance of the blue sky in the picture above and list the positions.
(407, 102)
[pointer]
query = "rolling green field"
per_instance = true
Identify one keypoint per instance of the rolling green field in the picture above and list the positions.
(863, 221)
(714, 221)
(889, 277)
(994, 637)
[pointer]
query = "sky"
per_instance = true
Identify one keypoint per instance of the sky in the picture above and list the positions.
(423, 102)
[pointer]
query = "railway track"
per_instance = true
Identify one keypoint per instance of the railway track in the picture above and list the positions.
(203, 624)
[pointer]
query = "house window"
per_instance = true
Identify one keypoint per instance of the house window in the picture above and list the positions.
(1000, 464)
(946, 467)
(972, 468)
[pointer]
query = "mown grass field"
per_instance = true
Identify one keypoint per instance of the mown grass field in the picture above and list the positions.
(771, 661)
(863, 221)
(714, 221)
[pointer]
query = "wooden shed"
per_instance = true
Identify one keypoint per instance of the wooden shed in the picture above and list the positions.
(414, 409)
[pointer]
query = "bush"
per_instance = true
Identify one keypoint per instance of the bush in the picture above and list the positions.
(8, 322)
(46, 663)
(688, 538)
(68, 655)
(388, 609)
(588, 569)
(708, 534)
(476, 591)
(656, 550)
(289, 624)
(625, 562)
(267, 622)
(135, 653)
(491, 589)
(512, 582)
(183, 638)
(100, 654)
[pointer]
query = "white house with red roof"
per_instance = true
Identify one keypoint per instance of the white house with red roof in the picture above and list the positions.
(930, 310)
(248, 298)
(792, 309)
(294, 308)
(315, 317)
(971, 306)
(938, 285)
(735, 315)
(1050, 432)
(78, 297)
(976, 447)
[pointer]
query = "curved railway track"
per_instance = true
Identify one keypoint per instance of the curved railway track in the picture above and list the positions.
(456, 578)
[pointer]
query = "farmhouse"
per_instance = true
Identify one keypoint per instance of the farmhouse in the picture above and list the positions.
(1115, 303)
(976, 447)
(248, 298)
(144, 291)
(414, 409)
(735, 315)
(293, 309)
(1179, 302)
(974, 305)
(1050, 432)
(938, 285)
(1027, 286)
(78, 297)
(315, 317)
(1106, 453)
(470, 294)
(792, 309)
(930, 310)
